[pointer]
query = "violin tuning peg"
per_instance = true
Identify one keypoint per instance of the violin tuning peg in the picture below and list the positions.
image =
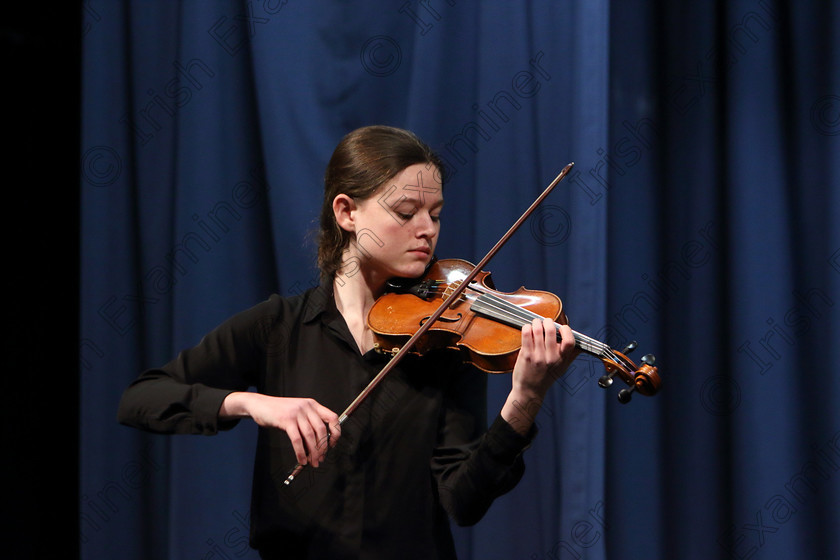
(630, 347)
(649, 359)
(606, 380)
(625, 395)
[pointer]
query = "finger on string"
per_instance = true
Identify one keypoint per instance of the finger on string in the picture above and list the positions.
(527, 339)
(568, 339)
(540, 343)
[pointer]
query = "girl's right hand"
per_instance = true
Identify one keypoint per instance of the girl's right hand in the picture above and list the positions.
(311, 427)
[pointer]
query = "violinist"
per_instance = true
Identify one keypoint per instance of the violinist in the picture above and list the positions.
(418, 452)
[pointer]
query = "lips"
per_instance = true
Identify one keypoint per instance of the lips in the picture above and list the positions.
(424, 250)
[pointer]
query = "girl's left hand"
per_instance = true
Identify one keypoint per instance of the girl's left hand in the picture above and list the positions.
(541, 361)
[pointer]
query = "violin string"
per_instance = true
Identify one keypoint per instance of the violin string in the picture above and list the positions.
(525, 316)
(505, 310)
(521, 316)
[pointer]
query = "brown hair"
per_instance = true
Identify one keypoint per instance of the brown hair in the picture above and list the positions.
(361, 163)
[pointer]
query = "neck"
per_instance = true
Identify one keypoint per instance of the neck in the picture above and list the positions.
(352, 297)
(355, 293)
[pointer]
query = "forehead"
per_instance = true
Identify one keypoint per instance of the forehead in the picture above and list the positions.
(416, 183)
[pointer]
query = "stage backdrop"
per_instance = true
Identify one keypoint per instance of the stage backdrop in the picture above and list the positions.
(698, 220)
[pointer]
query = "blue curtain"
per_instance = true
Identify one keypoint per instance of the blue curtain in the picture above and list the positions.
(697, 220)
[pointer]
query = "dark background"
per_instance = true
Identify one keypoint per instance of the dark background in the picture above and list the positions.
(41, 88)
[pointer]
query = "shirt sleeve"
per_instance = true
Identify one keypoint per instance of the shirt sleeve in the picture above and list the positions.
(184, 396)
(472, 468)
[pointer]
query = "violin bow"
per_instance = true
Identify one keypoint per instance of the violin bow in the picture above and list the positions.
(456, 293)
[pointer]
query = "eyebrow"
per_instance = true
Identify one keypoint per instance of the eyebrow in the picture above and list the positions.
(415, 201)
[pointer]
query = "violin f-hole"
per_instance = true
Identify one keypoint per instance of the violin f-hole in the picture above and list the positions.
(443, 319)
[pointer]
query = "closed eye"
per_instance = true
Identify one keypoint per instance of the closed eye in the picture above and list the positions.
(408, 216)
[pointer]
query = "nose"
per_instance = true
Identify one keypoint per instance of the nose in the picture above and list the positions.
(426, 226)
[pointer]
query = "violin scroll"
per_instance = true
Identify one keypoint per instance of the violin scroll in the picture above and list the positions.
(644, 378)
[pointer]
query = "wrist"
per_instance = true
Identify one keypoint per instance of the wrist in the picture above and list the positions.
(235, 405)
(521, 408)
(529, 391)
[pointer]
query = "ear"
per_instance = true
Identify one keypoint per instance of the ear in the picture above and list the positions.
(344, 208)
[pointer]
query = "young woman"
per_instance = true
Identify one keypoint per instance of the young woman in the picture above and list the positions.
(417, 452)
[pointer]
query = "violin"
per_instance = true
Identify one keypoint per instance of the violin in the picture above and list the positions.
(484, 324)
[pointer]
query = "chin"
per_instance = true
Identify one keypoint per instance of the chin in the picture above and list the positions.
(412, 270)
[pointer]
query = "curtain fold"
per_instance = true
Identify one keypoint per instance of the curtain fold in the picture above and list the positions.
(698, 221)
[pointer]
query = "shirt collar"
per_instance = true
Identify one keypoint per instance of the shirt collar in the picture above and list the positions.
(320, 306)
(320, 301)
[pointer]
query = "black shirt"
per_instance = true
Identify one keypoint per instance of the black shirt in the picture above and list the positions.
(415, 451)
